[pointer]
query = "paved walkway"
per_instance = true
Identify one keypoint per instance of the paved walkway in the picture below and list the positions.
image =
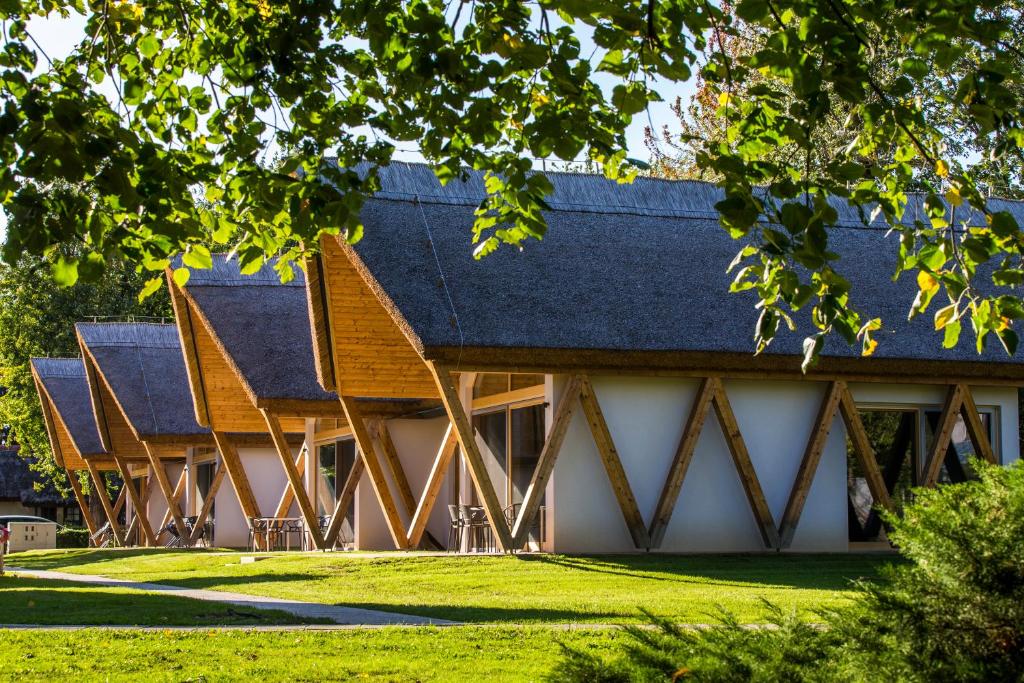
(350, 616)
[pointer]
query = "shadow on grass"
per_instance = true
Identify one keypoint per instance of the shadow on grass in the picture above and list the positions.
(44, 601)
(73, 557)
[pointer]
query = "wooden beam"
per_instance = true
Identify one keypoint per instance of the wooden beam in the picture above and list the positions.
(975, 428)
(546, 462)
(394, 463)
(348, 493)
(471, 452)
(863, 451)
(745, 468)
(373, 468)
(122, 496)
(613, 465)
(100, 486)
(526, 394)
(288, 495)
(179, 490)
(211, 496)
(76, 486)
(680, 463)
(295, 478)
(160, 474)
(332, 434)
(438, 471)
(809, 463)
(239, 480)
(136, 498)
(943, 433)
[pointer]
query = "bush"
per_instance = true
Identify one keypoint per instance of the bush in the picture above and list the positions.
(70, 537)
(953, 612)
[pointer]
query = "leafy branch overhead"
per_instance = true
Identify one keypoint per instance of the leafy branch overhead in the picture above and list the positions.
(177, 126)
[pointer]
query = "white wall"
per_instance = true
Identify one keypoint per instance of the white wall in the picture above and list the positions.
(267, 479)
(646, 416)
(416, 442)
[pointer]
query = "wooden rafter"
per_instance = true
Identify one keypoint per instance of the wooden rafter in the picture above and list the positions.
(809, 463)
(959, 402)
(613, 465)
(100, 486)
(288, 495)
(680, 463)
(394, 463)
(420, 516)
(122, 496)
(160, 474)
(376, 473)
(76, 487)
(546, 462)
(348, 493)
(863, 451)
(284, 452)
(211, 496)
(745, 468)
(975, 429)
(136, 498)
(236, 473)
(471, 452)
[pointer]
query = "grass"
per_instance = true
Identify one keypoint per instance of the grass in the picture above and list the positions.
(389, 654)
(41, 601)
(524, 589)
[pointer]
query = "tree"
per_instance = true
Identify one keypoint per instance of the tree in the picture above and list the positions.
(149, 138)
(37, 318)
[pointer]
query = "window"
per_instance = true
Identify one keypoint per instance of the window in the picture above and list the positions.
(956, 467)
(510, 424)
(72, 516)
(893, 438)
(205, 473)
(336, 462)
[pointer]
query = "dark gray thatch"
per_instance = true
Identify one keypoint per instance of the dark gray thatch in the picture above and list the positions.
(263, 325)
(18, 482)
(637, 267)
(65, 381)
(145, 368)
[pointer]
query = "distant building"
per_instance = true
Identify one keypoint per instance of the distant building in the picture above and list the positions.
(18, 494)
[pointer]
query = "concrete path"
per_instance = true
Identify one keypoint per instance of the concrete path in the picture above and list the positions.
(351, 616)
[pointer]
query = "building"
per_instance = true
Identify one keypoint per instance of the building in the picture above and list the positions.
(19, 496)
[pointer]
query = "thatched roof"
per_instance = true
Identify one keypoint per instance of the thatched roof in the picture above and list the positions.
(145, 369)
(623, 268)
(263, 325)
(17, 482)
(65, 383)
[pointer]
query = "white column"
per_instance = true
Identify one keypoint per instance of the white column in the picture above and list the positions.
(190, 482)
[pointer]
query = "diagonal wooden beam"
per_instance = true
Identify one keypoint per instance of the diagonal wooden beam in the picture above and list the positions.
(744, 466)
(809, 463)
(975, 428)
(76, 487)
(100, 487)
(435, 479)
(863, 451)
(471, 452)
(288, 495)
(613, 465)
(348, 493)
(284, 452)
(160, 474)
(179, 491)
(122, 496)
(680, 463)
(211, 496)
(376, 473)
(943, 433)
(236, 472)
(546, 462)
(133, 527)
(136, 498)
(390, 453)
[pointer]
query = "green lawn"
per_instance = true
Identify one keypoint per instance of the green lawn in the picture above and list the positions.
(390, 654)
(35, 601)
(500, 589)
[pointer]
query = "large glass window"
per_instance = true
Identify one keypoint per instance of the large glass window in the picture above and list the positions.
(893, 438)
(956, 466)
(336, 462)
(205, 474)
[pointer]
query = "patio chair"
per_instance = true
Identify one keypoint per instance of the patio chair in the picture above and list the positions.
(455, 526)
(476, 521)
(174, 539)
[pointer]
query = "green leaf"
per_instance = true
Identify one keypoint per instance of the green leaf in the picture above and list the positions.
(149, 45)
(65, 271)
(181, 276)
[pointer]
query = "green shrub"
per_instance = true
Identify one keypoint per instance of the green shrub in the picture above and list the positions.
(954, 611)
(70, 537)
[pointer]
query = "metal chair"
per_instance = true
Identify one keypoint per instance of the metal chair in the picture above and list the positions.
(476, 521)
(455, 526)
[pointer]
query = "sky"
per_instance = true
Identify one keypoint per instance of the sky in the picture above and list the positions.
(58, 36)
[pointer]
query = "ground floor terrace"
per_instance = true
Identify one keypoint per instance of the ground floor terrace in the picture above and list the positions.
(608, 463)
(511, 613)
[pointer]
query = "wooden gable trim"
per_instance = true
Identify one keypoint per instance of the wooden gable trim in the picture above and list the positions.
(318, 301)
(187, 336)
(58, 432)
(48, 421)
(100, 390)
